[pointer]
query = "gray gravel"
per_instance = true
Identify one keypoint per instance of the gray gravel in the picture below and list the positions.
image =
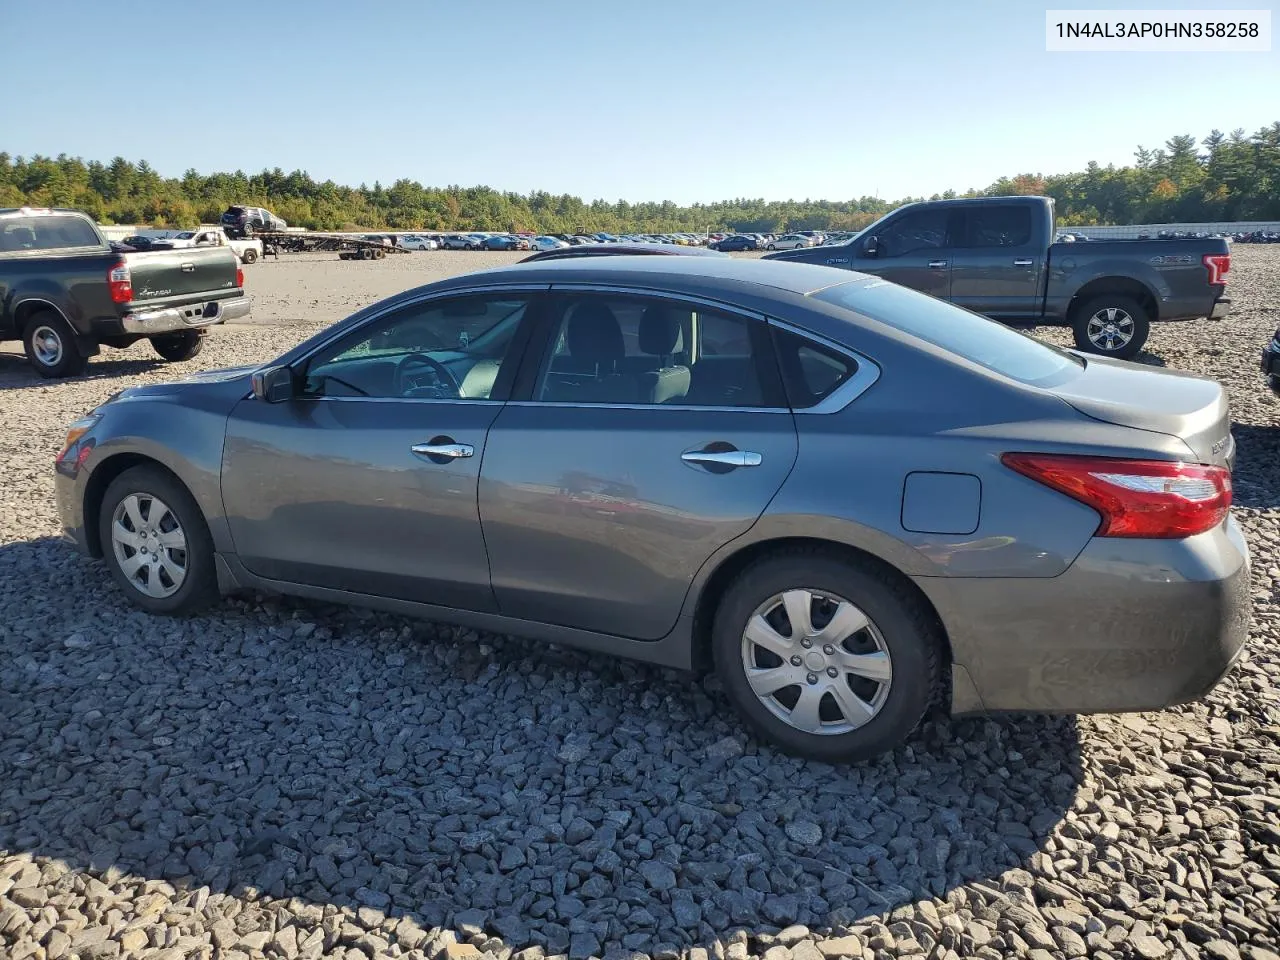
(288, 779)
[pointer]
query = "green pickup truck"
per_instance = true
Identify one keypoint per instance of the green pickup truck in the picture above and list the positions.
(65, 291)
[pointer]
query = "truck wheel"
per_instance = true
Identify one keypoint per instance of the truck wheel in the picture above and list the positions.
(179, 346)
(1111, 325)
(250, 256)
(50, 345)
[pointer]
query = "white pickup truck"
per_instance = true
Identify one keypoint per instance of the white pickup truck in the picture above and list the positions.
(247, 250)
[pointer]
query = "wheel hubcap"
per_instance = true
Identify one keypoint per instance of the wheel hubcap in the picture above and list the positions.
(47, 346)
(816, 661)
(149, 545)
(1110, 328)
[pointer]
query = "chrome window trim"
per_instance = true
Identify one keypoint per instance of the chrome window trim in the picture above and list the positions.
(645, 406)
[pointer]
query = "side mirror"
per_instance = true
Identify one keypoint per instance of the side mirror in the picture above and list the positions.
(871, 247)
(273, 384)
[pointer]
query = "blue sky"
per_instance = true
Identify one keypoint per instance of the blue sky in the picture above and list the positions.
(696, 100)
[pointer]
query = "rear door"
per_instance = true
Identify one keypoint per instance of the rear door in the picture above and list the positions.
(646, 434)
(913, 250)
(998, 261)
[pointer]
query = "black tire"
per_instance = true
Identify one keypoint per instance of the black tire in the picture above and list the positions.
(51, 347)
(199, 587)
(250, 256)
(179, 346)
(469, 246)
(771, 247)
(1125, 307)
(907, 629)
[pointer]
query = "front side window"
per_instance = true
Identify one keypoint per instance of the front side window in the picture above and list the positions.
(630, 350)
(912, 232)
(997, 226)
(441, 350)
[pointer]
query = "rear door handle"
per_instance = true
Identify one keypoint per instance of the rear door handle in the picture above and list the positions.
(440, 452)
(723, 458)
(1023, 262)
(937, 264)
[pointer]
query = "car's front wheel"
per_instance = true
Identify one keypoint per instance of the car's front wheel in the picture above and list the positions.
(829, 658)
(156, 543)
(179, 346)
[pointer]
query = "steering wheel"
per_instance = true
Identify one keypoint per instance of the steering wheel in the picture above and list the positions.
(442, 385)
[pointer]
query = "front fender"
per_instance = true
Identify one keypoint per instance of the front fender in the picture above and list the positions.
(188, 442)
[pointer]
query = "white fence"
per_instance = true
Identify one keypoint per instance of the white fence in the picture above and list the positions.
(1131, 231)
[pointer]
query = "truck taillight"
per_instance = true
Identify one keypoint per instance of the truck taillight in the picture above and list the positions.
(1218, 265)
(239, 277)
(119, 283)
(1164, 499)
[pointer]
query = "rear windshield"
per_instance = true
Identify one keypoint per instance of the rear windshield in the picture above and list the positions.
(968, 335)
(45, 233)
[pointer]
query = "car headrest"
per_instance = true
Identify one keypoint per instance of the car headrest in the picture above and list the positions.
(660, 332)
(593, 334)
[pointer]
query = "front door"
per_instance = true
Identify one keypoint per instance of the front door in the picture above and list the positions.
(650, 434)
(913, 250)
(366, 481)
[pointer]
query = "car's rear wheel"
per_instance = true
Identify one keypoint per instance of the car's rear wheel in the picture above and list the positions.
(50, 345)
(250, 256)
(178, 346)
(1111, 325)
(156, 543)
(828, 658)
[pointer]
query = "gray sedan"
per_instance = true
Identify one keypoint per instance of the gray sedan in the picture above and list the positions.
(848, 498)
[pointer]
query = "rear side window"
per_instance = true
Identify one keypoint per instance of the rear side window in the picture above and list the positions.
(45, 233)
(810, 371)
(997, 226)
(959, 332)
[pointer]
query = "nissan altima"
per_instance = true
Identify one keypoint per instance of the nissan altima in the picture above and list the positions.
(849, 499)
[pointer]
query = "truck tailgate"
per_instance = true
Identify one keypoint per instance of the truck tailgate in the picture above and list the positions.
(172, 277)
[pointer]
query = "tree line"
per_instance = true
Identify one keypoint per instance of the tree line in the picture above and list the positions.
(1222, 177)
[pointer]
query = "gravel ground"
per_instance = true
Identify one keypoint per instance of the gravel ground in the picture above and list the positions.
(289, 779)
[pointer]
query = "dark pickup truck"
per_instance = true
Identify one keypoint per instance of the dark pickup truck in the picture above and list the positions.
(994, 255)
(64, 290)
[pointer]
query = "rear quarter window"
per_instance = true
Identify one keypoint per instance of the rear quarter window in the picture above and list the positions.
(959, 332)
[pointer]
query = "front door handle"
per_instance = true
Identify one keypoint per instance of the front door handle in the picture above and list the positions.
(1023, 262)
(937, 264)
(723, 458)
(442, 450)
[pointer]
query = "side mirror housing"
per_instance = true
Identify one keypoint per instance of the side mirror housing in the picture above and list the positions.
(871, 247)
(273, 384)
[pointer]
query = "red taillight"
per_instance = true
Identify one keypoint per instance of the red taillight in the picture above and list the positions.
(119, 284)
(239, 277)
(1163, 499)
(1218, 265)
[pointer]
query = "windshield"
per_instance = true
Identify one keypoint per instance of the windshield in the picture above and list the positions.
(985, 342)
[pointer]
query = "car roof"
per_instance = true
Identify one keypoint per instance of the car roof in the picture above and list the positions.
(674, 273)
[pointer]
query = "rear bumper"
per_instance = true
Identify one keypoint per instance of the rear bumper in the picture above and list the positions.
(1132, 625)
(168, 319)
